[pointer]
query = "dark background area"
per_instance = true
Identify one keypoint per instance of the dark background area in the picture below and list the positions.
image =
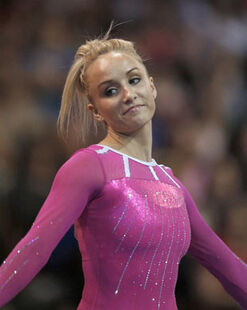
(197, 53)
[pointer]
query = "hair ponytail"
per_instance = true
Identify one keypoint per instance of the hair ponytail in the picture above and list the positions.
(75, 122)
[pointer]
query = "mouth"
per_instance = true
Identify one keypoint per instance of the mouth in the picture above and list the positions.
(133, 108)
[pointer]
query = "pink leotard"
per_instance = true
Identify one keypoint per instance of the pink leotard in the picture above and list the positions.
(134, 221)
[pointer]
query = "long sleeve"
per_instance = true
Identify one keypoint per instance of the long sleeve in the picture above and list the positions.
(211, 252)
(77, 182)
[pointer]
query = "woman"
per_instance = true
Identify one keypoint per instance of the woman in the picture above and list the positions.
(134, 220)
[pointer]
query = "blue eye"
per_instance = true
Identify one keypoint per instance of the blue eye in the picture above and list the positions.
(110, 91)
(134, 80)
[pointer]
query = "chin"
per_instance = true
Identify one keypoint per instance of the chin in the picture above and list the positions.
(134, 126)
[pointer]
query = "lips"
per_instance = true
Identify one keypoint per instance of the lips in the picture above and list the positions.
(134, 106)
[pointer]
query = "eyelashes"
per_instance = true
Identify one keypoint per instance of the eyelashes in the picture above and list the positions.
(134, 80)
(111, 91)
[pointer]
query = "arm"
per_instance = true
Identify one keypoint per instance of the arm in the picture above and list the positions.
(211, 252)
(77, 182)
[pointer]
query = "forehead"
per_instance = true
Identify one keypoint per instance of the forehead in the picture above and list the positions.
(111, 65)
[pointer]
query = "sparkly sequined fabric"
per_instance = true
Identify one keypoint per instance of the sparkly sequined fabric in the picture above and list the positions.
(134, 221)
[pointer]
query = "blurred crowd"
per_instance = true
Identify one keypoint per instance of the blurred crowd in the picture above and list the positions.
(196, 50)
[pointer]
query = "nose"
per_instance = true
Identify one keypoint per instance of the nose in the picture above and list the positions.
(128, 95)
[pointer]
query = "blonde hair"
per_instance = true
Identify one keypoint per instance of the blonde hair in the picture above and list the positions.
(75, 121)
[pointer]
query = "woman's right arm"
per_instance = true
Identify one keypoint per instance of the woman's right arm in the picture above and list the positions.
(77, 182)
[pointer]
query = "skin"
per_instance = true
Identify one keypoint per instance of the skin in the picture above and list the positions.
(116, 83)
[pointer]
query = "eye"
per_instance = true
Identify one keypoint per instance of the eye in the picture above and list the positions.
(134, 80)
(110, 91)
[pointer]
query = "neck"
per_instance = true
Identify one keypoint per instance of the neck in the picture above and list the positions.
(138, 145)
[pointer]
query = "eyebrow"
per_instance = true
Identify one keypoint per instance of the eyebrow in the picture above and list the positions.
(110, 81)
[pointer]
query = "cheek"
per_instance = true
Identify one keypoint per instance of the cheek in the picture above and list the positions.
(108, 108)
(149, 97)
(152, 104)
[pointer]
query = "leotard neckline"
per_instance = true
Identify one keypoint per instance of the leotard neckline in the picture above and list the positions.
(149, 163)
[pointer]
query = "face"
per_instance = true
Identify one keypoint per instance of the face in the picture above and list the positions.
(121, 92)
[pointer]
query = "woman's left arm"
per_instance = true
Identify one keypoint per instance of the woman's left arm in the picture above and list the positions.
(211, 252)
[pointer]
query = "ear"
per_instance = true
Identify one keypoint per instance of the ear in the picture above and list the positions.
(96, 115)
(154, 90)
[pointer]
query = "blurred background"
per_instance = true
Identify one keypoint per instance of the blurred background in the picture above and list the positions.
(197, 53)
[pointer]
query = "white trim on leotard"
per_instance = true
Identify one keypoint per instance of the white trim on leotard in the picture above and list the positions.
(170, 177)
(149, 163)
(153, 173)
